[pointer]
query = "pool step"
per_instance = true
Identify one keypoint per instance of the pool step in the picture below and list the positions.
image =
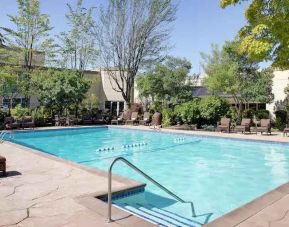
(158, 216)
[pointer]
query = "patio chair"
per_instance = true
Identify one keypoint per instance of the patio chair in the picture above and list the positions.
(146, 119)
(10, 123)
(70, 121)
(3, 165)
(245, 126)
(119, 120)
(224, 125)
(265, 126)
(87, 120)
(99, 119)
(134, 119)
(156, 122)
(27, 122)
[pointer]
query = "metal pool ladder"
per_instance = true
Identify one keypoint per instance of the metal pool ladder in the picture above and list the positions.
(109, 196)
(3, 133)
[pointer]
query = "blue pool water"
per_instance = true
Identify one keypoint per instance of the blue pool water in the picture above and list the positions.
(218, 175)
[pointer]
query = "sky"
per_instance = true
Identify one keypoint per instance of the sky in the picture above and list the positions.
(198, 24)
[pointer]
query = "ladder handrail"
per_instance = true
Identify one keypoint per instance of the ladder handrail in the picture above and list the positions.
(3, 133)
(109, 196)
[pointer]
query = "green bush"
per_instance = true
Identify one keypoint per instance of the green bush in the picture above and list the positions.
(40, 115)
(2, 117)
(18, 112)
(248, 113)
(212, 109)
(233, 114)
(281, 119)
(167, 115)
(262, 114)
(188, 112)
(156, 107)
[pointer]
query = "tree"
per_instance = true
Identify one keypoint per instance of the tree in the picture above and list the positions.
(9, 84)
(60, 89)
(168, 82)
(78, 46)
(266, 35)
(90, 102)
(130, 34)
(229, 72)
(31, 31)
(1, 39)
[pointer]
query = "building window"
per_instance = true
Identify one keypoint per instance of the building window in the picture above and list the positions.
(114, 108)
(24, 102)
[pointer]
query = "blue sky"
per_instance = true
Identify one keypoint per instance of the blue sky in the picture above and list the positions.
(199, 23)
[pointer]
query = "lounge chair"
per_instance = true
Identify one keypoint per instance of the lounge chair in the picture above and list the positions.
(146, 119)
(156, 122)
(3, 165)
(87, 120)
(70, 121)
(10, 123)
(265, 126)
(224, 125)
(134, 119)
(119, 120)
(245, 126)
(27, 122)
(99, 119)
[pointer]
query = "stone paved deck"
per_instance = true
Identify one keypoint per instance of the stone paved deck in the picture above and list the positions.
(42, 190)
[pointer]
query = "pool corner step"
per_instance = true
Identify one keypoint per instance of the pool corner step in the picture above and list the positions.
(158, 216)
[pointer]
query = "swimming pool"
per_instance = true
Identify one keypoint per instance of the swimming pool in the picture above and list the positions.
(217, 174)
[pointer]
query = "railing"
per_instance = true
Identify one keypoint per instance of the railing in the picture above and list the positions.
(109, 196)
(3, 134)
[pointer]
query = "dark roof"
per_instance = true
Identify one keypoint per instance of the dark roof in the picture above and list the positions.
(200, 91)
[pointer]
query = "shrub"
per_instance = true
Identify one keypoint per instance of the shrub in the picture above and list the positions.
(233, 114)
(2, 117)
(248, 113)
(18, 112)
(262, 114)
(188, 112)
(167, 115)
(156, 107)
(40, 115)
(281, 119)
(212, 109)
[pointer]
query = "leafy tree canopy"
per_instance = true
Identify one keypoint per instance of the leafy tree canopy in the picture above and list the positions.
(59, 89)
(30, 33)
(167, 82)
(78, 45)
(232, 73)
(266, 36)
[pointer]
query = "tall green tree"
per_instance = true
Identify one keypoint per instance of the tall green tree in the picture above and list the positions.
(1, 39)
(266, 35)
(10, 84)
(60, 89)
(30, 33)
(78, 48)
(131, 33)
(168, 82)
(229, 72)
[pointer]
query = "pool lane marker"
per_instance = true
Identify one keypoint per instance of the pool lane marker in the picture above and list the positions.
(179, 140)
(124, 146)
(134, 145)
(106, 149)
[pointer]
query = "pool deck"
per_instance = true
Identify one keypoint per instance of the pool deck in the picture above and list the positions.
(43, 190)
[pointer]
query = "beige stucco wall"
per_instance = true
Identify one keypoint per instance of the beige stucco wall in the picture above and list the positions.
(280, 82)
